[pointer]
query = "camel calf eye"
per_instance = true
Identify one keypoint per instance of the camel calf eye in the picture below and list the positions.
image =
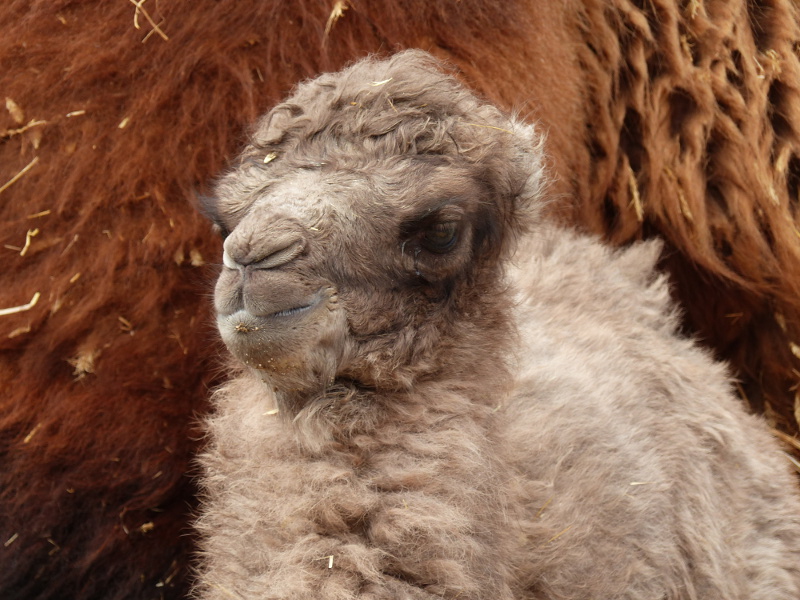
(440, 238)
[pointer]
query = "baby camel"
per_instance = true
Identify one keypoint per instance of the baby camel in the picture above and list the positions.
(438, 395)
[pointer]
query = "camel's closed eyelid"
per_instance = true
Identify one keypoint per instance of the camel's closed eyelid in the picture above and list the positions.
(445, 211)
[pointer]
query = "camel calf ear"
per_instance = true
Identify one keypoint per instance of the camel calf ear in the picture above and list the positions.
(530, 159)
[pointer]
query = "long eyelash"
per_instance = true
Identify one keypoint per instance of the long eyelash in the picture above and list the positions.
(221, 230)
(208, 208)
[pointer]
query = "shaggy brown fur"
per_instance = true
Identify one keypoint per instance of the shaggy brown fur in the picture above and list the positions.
(697, 137)
(611, 83)
(408, 423)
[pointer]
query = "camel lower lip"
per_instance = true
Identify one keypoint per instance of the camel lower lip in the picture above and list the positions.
(244, 321)
(288, 312)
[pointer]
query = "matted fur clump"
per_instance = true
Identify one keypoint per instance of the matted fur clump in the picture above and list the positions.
(440, 395)
(695, 135)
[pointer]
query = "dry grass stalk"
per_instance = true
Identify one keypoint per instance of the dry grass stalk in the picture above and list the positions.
(195, 258)
(793, 460)
(336, 13)
(170, 576)
(83, 363)
(684, 204)
(329, 559)
(35, 138)
(15, 111)
(149, 231)
(145, 527)
(140, 10)
(773, 195)
(32, 433)
(16, 177)
(30, 234)
(544, 506)
(43, 213)
(782, 162)
(71, 243)
(11, 540)
(18, 309)
(124, 324)
(787, 439)
(175, 336)
(774, 59)
(686, 47)
(761, 73)
(797, 406)
(636, 200)
(19, 331)
(8, 133)
(559, 534)
(693, 8)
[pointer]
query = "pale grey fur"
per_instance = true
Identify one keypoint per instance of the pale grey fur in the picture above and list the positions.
(627, 467)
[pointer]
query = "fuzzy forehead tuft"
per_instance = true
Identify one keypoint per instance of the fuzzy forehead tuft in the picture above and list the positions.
(372, 98)
(407, 104)
(376, 112)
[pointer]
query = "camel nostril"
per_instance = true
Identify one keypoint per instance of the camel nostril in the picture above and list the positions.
(280, 257)
(254, 250)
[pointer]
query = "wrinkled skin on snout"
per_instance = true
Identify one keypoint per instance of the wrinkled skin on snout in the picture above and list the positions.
(277, 310)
